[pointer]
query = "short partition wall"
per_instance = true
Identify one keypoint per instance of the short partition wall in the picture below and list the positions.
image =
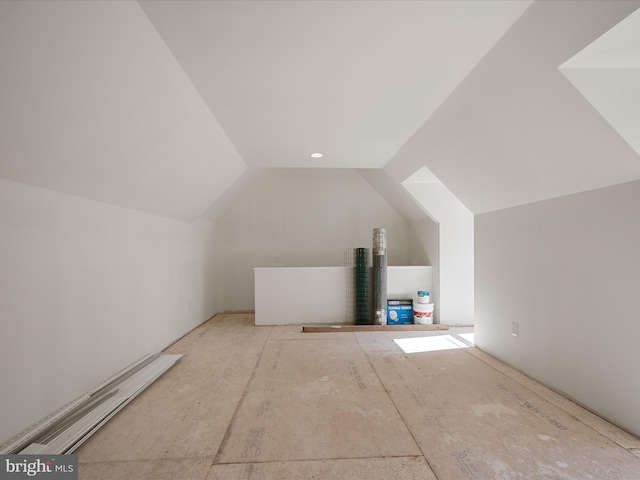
(317, 295)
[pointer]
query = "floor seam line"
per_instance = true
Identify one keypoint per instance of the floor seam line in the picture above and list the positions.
(134, 460)
(539, 396)
(321, 459)
(227, 433)
(386, 390)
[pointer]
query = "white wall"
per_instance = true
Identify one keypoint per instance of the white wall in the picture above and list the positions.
(313, 295)
(86, 289)
(303, 218)
(567, 270)
(424, 249)
(455, 250)
(456, 296)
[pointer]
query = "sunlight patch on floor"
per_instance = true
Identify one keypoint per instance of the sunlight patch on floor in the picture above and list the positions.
(434, 343)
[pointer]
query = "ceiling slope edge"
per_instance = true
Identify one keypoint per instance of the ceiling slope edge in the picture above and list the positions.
(393, 193)
(113, 118)
(607, 74)
(515, 131)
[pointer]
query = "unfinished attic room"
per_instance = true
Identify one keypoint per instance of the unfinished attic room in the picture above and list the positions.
(320, 239)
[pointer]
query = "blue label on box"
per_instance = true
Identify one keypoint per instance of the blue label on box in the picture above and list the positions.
(399, 314)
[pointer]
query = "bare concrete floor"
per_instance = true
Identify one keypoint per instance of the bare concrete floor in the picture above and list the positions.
(250, 402)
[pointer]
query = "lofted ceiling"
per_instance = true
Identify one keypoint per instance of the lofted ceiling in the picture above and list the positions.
(93, 104)
(175, 107)
(350, 79)
(607, 73)
(516, 131)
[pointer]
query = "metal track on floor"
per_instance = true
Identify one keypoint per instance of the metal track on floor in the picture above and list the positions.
(67, 428)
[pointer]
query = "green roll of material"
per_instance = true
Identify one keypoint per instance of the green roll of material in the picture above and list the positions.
(362, 286)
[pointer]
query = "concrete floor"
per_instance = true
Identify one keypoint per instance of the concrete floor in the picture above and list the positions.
(250, 402)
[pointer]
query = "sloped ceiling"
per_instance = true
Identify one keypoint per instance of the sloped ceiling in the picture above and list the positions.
(173, 107)
(607, 73)
(515, 130)
(162, 109)
(351, 79)
(93, 103)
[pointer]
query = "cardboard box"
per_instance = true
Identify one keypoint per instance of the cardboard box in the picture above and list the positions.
(399, 311)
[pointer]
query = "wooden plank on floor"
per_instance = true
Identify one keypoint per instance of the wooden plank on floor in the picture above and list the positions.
(372, 328)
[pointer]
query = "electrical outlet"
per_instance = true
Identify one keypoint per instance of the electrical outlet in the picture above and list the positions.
(276, 259)
(515, 329)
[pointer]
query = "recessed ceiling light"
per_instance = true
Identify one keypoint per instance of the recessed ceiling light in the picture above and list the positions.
(316, 155)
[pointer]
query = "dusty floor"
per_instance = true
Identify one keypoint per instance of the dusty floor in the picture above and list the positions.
(250, 402)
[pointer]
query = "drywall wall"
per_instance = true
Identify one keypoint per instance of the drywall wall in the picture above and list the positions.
(303, 218)
(455, 263)
(86, 289)
(567, 271)
(424, 249)
(448, 247)
(311, 295)
(456, 266)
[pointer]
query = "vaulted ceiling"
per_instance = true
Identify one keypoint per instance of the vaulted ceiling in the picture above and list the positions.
(173, 107)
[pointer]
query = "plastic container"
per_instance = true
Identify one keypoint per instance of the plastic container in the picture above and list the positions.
(423, 295)
(423, 313)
